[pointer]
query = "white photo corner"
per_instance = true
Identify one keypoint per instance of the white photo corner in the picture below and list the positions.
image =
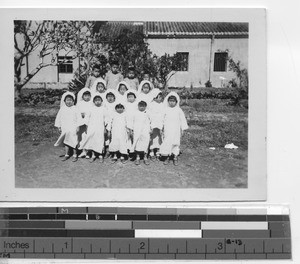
(164, 105)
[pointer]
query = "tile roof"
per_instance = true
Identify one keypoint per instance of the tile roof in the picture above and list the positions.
(195, 28)
(178, 29)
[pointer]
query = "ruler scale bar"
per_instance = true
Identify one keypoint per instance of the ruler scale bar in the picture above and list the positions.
(145, 233)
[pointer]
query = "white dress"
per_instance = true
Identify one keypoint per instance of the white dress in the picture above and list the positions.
(119, 138)
(94, 139)
(68, 120)
(173, 123)
(141, 131)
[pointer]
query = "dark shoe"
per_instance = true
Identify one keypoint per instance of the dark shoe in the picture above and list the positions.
(146, 161)
(65, 158)
(113, 160)
(74, 159)
(137, 162)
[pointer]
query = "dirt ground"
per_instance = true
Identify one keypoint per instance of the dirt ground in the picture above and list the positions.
(38, 165)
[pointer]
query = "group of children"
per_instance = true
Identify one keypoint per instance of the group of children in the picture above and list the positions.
(121, 119)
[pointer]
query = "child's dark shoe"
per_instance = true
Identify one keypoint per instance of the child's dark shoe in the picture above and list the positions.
(82, 155)
(74, 159)
(66, 157)
(114, 160)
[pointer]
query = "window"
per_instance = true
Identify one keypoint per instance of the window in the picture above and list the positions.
(65, 64)
(220, 62)
(184, 61)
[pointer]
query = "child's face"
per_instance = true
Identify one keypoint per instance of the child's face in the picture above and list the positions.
(142, 108)
(110, 98)
(172, 102)
(97, 101)
(130, 74)
(146, 88)
(96, 72)
(100, 87)
(158, 99)
(120, 110)
(146, 77)
(130, 98)
(86, 97)
(69, 101)
(114, 68)
(122, 89)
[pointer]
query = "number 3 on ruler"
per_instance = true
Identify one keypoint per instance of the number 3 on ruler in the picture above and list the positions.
(220, 246)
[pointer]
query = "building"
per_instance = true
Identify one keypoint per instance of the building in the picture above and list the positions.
(204, 47)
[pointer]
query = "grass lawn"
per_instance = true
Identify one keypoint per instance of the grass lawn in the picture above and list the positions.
(212, 123)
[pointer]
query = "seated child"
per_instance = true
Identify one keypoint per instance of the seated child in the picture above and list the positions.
(67, 121)
(122, 89)
(84, 107)
(144, 92)
(113, 77)
(94, 75)
(140, 126)
(174, 123)
(131, 80)
(99, 86)
(109, 106)
(131, 108)
(94, 139)
(117, 126)
(156, 112)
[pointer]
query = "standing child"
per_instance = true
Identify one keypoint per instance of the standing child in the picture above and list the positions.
(147, 77)
(174, 124)
(95, 74)
(94, 140)
(131, 80)
(156, 112)
(84, 107)
(131, 107)
(99, 86)
(140, 126)
(67, 121)
(113, 77)
(144, 92)
(122, 89)
(109, 106)
(118, 129)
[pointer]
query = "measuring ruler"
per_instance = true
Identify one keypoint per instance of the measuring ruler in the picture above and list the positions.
(144, 233)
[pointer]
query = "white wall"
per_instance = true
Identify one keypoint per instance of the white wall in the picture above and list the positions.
(238, 51)
(47, 74)
(199, 58)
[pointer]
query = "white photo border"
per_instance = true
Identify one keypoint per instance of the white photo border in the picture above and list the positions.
(257, 125)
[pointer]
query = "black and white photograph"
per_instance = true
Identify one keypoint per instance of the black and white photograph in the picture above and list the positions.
(154, 104)
(131, 103)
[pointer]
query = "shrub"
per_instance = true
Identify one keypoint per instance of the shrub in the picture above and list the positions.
(39, 96)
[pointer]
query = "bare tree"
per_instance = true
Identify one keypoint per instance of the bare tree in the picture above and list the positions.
(48, 39)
